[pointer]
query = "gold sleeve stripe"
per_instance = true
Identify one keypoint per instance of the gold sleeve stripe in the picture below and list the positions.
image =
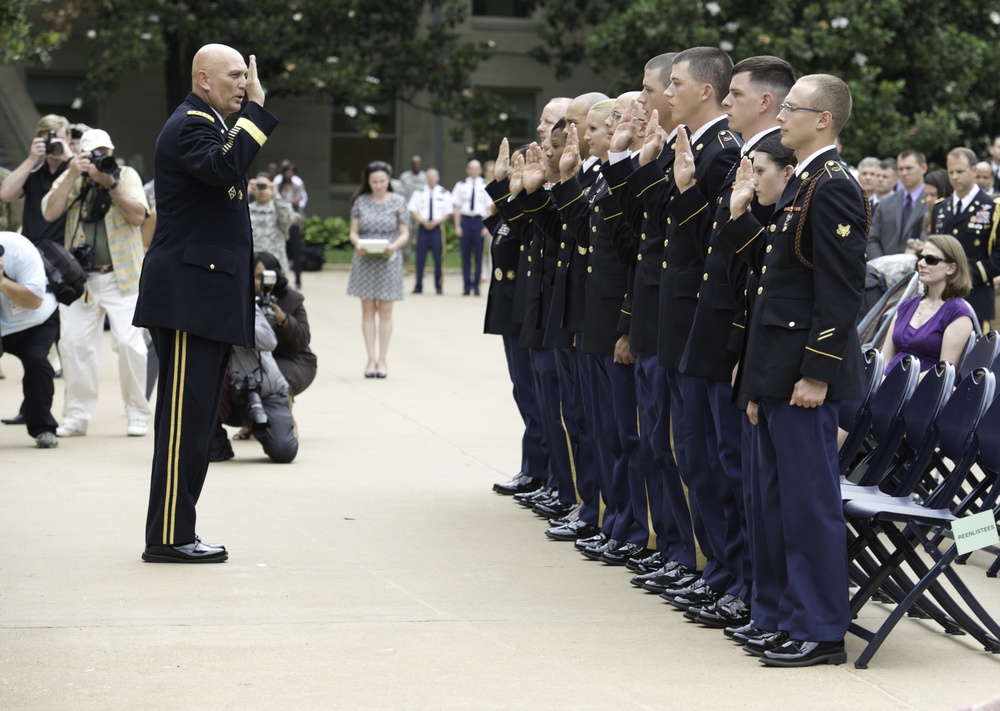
(547, 201)
(824, 336)
(828, 355)
(563, 207)
(750, 240)
(982, 272)
(627, 313)
(515, 217)
(827, 332)
(251, 128)
(611, 217)
(739, 325)
(612, 188)
(500, 200)
(699, 210)
(657, 182)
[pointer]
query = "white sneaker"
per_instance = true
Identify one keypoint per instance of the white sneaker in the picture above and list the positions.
(69, 431)
(136, 428)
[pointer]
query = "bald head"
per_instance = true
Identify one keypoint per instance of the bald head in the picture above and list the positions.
(576, 114)
(553, 112)
(219, 77)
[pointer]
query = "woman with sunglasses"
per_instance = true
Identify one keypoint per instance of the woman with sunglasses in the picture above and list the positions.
(934, 326)
(377, 213)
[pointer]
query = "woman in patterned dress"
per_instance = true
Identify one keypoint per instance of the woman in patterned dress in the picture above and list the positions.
(377, 278)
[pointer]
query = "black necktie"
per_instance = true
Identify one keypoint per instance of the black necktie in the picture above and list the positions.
(907, 211)
(472, 200)
(431, 203)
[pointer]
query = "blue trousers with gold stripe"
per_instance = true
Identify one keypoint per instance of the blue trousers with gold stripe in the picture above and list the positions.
(188, 391)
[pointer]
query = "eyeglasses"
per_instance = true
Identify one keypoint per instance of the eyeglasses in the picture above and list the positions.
(932, 260)
(615, 116)
(792, 109)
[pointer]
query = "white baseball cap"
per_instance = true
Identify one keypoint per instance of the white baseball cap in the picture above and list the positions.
(95, 138)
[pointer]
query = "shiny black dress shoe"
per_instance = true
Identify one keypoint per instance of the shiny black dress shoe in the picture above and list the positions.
(756, 646)
(728, 611)
(646, 564)
(743, 632)
(572, 531)
(196, 552)
(797, 653)
(553, 509)
(17, 419)
(668, 576)
(597, 539)
(595, 552)
(621, 554)
(521, 484)
(562, 520)
(530, 498)
(683, 586)
(695, 601)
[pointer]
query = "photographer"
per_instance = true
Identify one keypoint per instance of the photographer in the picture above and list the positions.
(29, 325)
(105, 206)
(48, 158)
(271, 217)
(291, 326)
(256, 398)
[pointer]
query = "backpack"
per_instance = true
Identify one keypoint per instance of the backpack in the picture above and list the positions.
(66, 277)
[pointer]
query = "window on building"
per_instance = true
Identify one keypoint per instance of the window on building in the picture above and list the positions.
(55, 94)
(523, 117)
(501, 8)
(351, 151)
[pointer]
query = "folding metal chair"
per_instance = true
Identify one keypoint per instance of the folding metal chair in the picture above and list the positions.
(875, 324)
(982, 354)
(860, 420)
(959, 442)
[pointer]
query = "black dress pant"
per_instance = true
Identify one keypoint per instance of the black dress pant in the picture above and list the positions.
(31, 346)
(189, 387)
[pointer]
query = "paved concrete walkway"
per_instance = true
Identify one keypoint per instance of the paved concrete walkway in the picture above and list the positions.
(377, 571)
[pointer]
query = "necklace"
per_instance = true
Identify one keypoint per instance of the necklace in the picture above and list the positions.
(926, 308)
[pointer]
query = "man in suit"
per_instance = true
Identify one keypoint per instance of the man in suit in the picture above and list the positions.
(983, 175)
(971, 217)
(900, 216)
(196, 290)
(802, 358)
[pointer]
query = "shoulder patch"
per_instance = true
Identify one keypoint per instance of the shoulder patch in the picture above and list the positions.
(202, 114)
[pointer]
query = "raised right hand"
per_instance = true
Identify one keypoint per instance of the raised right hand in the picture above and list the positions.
(502, 166)
(743, 189)
(254, 91)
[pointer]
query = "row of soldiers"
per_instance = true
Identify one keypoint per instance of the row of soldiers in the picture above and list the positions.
(679, 336)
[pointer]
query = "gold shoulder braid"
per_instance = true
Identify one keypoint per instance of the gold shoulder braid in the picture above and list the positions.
(805, 210)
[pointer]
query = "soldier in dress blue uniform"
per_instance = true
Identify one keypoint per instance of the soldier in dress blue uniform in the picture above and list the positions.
(802, 358)
(196, 291)
(971, 217)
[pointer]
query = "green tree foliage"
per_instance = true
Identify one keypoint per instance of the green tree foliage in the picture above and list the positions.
(19, 41)
(923, 74)
(346, 53)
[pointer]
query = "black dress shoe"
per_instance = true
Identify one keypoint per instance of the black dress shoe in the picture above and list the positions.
(621, 554)
(562, 520)
(572, 531)
(743, 632)
(756, 646)
(520, 484)
(660, 580)
(797, 653)
(530, 498)
(684, 585)
(17, 419)
(595, 552)
(553, 509)
(646, 564)
(696, 600)
(196, 552)
(728, 611)
(594, 541)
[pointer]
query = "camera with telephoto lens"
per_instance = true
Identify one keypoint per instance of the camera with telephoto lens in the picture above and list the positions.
(53, 146)
(103, 162)
(268, 278)
(246, 393)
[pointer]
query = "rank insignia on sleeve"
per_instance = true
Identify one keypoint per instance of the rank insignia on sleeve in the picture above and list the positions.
(843, 230)
(232, 193)
(240, 195)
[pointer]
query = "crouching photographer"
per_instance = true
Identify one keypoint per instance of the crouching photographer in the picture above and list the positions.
(283, 307)
(255, 398)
